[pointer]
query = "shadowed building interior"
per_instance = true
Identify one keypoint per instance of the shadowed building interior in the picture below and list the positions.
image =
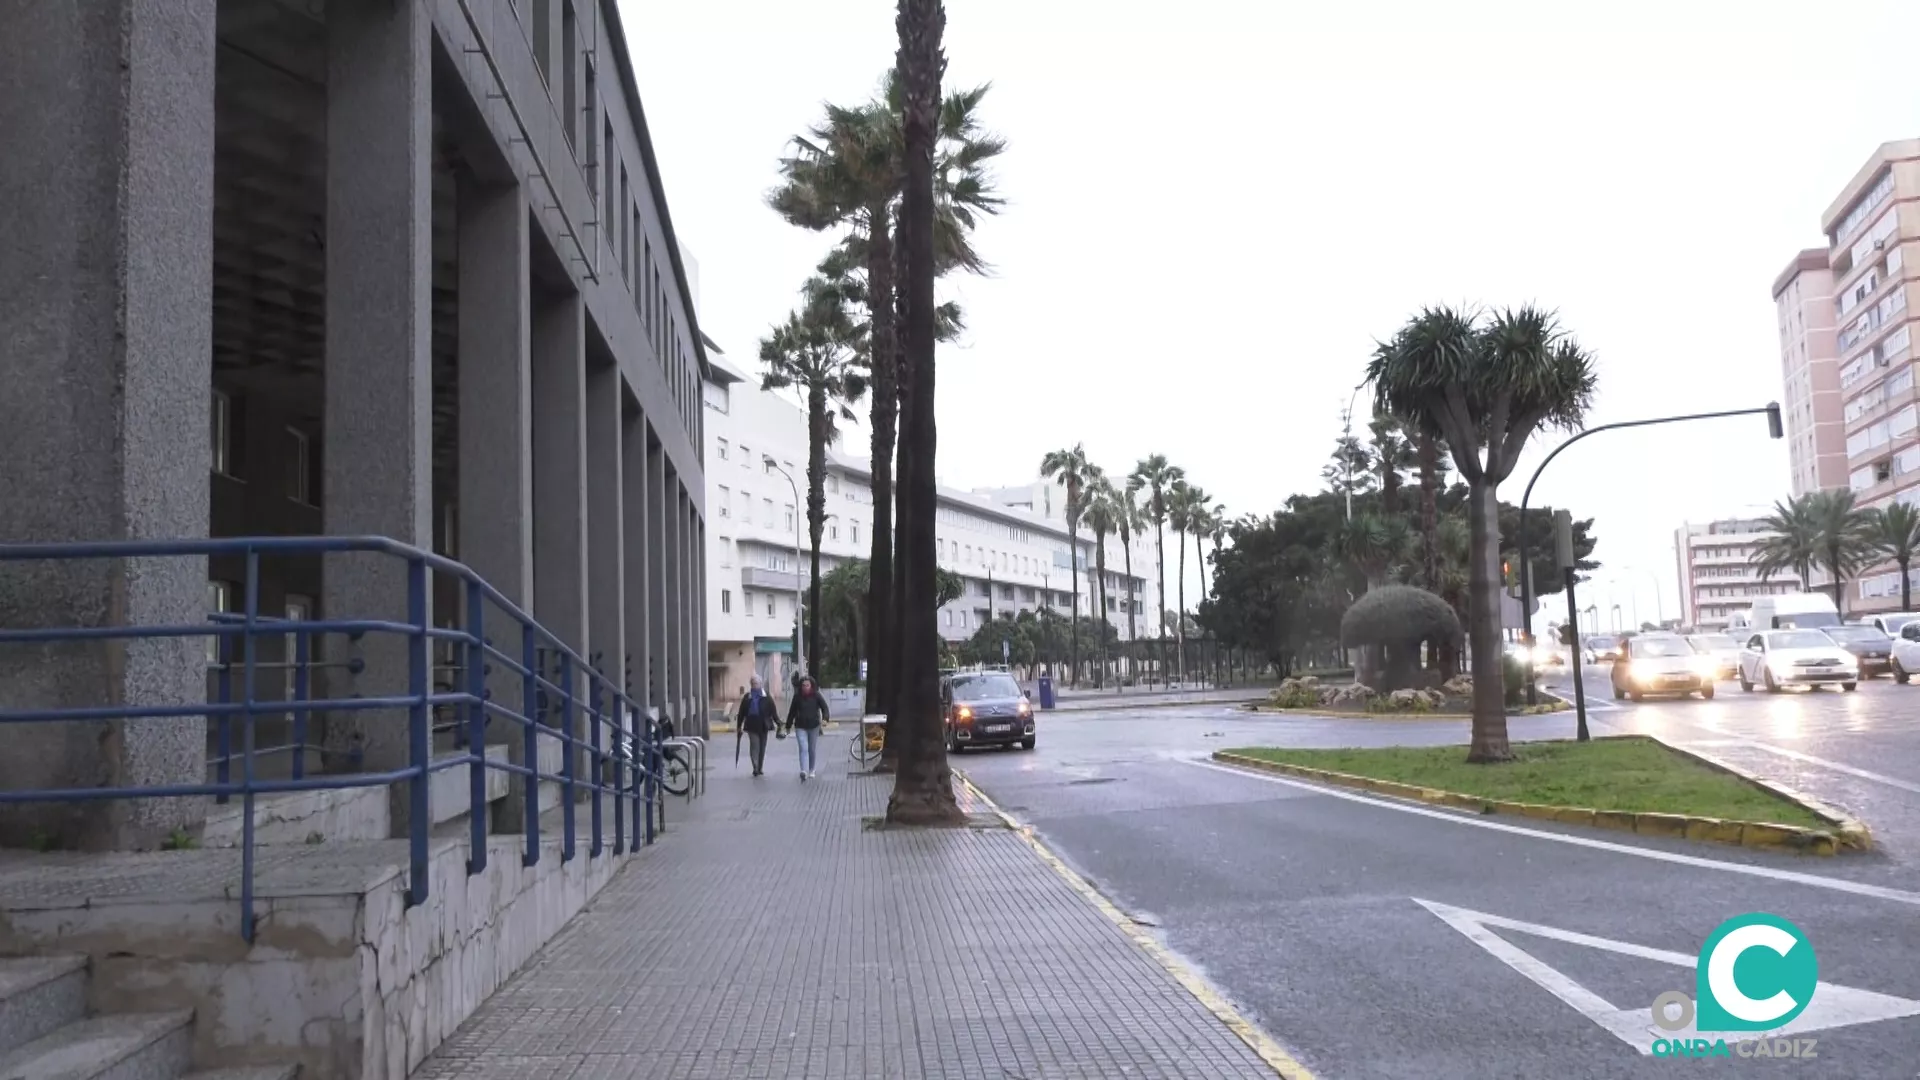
(398, 268)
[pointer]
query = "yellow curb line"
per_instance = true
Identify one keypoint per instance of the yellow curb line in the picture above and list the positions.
(1283, 1064)
(1436, 715)
(1748, 834)
(1850, 832)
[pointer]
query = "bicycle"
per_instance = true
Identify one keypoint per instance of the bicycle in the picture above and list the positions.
(867, 743)
(674, 770)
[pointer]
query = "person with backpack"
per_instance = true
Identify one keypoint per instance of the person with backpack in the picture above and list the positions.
(805, 713)
(757, 716)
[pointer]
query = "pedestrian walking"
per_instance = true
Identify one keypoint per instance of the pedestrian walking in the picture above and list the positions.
(757, 716)
(805, 713)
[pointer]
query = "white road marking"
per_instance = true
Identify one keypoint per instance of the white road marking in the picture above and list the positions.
(1856, 888)
(1832, 1005)
(1835, 766)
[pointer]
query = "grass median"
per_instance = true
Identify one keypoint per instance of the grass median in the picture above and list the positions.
(1634, 775)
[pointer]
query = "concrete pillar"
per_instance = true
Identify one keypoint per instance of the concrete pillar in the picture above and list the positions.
(659, 628)
(606, 523)
(693, 687)
(106, 308)
(703, 677)
(560, 479)
(495, 509)
(377, 462)
(675, 525)
(635, 544)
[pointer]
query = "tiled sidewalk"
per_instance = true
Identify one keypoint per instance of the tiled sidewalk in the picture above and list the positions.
(770, 934)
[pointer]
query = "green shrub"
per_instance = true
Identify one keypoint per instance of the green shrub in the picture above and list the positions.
(1384, 704)
(1294, 695)
(1513, 674)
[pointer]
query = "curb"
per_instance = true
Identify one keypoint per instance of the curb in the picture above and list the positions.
(1282, 1063)
(1436, 715)
(1846, 833)
(1124, 703)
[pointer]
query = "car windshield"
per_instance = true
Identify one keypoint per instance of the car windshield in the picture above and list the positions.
(1858, 635)
(1712, 642)
(1800, 639)
(1895, 623)
(1656, 646)
(985, 688)
(1601, 641)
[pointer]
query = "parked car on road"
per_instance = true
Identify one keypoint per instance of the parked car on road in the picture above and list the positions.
(985, 708)
(1600, 648)
(1662, 664)
(1724, 649)
(1892, 622)
(1870, 645)
(1778, 659)
(1905, 661)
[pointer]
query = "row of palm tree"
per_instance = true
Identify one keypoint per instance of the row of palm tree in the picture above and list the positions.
(1829, 531)
(1154, 494)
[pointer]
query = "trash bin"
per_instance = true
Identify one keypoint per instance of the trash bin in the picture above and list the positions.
(1046, 691)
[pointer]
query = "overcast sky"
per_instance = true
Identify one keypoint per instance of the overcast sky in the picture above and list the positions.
(1216, 207)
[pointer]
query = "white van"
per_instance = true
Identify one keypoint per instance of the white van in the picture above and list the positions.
(1792, 611)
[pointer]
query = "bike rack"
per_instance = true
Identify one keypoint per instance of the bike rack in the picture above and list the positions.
(698, 766)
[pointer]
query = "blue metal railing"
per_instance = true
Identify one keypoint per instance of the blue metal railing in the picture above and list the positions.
(560, 693)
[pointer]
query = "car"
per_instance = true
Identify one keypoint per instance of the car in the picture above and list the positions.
(1793, 611)
(1870, 645)
(1778, 659)
(1662, 664)
(1890, 623)
(1601, 648)
(1725, 650)
(1905, 661)
(985, 708)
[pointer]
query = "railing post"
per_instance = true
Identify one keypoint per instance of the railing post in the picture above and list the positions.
(530, 694)
(619, 770)
(419, 729)
(568, 746)
(597, 769)
(476, 728)
(302, 692)
(247, 648)
(223, 681)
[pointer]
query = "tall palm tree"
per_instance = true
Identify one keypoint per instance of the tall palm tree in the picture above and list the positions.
(1792, 542)
(1101, 520)
(1846, 539)
(1393, 457)
(1896, 534)
(813, 351)
(1486, 386)
(1128, 521)
(1186, 512)
(923, 783)
(1074, 472)
(1155, 477)
(1427, 452)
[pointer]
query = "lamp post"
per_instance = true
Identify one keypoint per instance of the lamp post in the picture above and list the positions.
(1774, 430)
(1345, 447)
(799, 552)
(1659, 601)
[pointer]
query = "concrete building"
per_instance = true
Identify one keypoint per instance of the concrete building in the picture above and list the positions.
(1810, 370)
(1717, 577)
(1010, 545)
(374, 267)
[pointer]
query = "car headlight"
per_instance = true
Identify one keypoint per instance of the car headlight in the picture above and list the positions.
(1025, 709)
(1640, 669)
(1706, 666)
(963, 714)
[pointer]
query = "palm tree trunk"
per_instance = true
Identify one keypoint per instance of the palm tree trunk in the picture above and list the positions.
(816, 508)
(1906, 584)
(1180, 616)
(1160, 587)
(1133, 605)
(1100, 578)
(884, 361)
(1073, 623)
(1429, 511)
(1839, 582)
(923, 785)
(1489, 742)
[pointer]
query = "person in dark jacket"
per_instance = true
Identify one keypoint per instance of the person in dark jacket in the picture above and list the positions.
(757, 716)
(805, 713)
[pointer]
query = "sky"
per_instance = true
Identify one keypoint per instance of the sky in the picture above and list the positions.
(1216, 208)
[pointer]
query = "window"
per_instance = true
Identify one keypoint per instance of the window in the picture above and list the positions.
(747, 607)
(726, 601)
(949, 616)
(856, 531)
(219, 601)
(833, 530)
(569, 71)
(770, 603)
(789, 515)
(622, 241)
(746, 456)
(833, 485)
(222, 418)
(746, 506)
(767, 505)
(766, 466)
(299, 467)
(299, 609)
(607, 154)
(720, 446)
(543, 38)
(726, 501)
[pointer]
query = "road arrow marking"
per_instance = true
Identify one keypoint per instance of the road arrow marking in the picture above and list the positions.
(1832, 1005)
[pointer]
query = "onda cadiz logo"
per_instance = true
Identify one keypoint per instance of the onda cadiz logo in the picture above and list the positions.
(1756, 973)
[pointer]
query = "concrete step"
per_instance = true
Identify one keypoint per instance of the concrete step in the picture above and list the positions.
(38, 996)
(258, 1072)
(128, 1046)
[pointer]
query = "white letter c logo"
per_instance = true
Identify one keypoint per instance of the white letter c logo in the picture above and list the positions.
(1720, 973)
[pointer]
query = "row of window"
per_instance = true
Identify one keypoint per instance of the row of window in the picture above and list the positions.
(1875, 197)
(1875, 396)
(1873, 319)
(1879, 434)
(1875, 586)
(301, 468)
(766, 599)
(1880, 472)
(1889, 351)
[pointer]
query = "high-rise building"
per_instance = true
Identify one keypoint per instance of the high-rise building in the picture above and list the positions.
(1717, 577)
(1810, 370)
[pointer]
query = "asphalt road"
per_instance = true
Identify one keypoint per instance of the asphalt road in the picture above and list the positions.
(1376, 939)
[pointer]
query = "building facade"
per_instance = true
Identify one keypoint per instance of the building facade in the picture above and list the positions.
(1010, 546)
(397, 268)
(1717, 577)
(1810, 371)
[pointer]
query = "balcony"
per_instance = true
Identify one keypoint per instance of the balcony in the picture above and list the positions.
(759, 577)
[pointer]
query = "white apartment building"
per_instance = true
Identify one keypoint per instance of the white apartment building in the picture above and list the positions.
(1716, 571)
(1009, 545)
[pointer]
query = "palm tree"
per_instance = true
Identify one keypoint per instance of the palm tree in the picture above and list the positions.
(1427, 451)
(1099, 517)
(1186, 512)
(923, 784)
(1393, 455)
(813, 351)
(1896, 533)
(1072, 469)
(1128, 521)
(1486, 387)
(1156, 478)
(1792, 542)
(1845, 538)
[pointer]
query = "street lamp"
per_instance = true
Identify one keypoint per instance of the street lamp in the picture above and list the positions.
(1614, 613)
(799, 604)
(1346, 448)
(1659, 601)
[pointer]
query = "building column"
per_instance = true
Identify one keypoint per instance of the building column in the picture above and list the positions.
(636, 547)
(106, 314)
(377, 458)
(693, 663)
(560, 484)
(495, 502)
(606, 523)
(676, 597)
(660, 628)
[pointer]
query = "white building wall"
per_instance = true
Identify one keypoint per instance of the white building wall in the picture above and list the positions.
(1716, 565)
